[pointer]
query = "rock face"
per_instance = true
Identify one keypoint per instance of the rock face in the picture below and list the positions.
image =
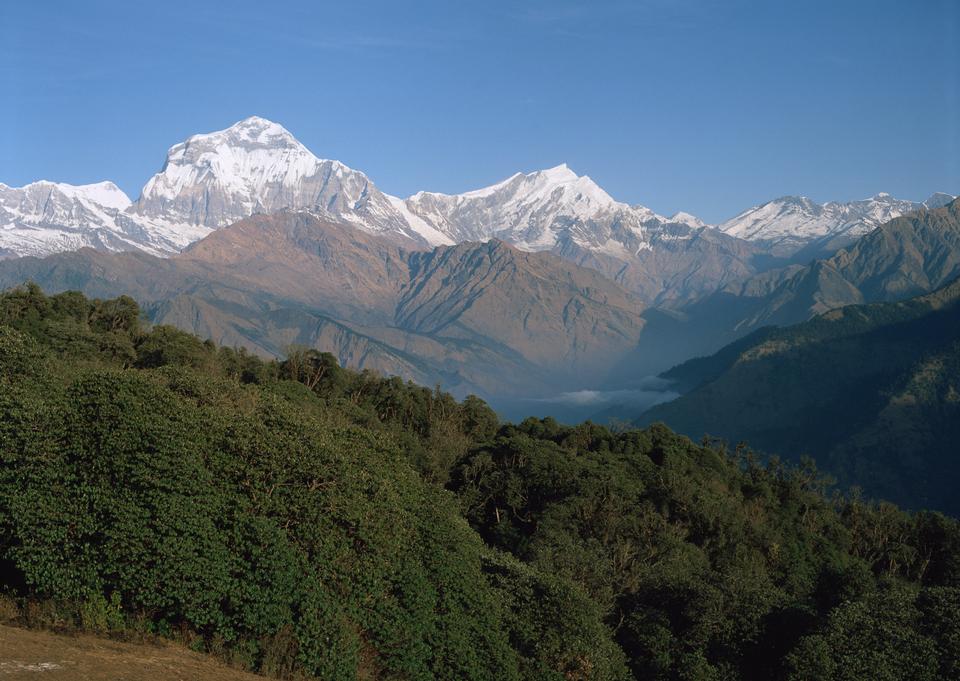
(797, 226)
(482, 318)
(207, 182)
(569, 320)
(46, 217)
(872, 391)
(212, 180)
(536, 211)
(256, 166)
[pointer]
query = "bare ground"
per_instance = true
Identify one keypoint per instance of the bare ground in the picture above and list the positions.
(41, 656)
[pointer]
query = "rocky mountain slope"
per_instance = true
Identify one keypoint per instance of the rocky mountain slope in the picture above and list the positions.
(207, 182)
(908, 256)
(483, 318)
(871, 391)
(256, 166)
(45, 217)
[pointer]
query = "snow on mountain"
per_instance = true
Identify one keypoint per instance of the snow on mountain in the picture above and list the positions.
(257, 166)
(938, 200)
(48, 202)
(45, 217)
(684, 218)
(788, 224)
(105, 194)
(537, 211)
(212, 180)
(207, 182)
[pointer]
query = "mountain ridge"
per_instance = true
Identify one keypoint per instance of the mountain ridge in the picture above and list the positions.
(256, 166)
(448, 315)
(892, 369)
(798, 227)
(908, 256)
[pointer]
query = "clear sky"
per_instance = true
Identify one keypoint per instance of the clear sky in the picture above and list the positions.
(701, 105)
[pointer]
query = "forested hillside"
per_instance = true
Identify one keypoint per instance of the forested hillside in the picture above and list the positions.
(871, 391)
(299, 519)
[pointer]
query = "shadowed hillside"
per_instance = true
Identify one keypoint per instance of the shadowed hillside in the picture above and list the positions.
(871, 391)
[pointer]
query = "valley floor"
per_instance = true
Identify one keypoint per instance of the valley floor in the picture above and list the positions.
(28, 654)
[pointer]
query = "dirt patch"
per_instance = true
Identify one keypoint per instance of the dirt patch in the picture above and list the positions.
(41, 656)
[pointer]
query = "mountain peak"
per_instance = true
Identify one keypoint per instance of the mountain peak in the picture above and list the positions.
(789, 223)
(253, 166)
(684, 218)
(579, 189)
(255, 121)
(251, 132)
(559, 173)
(105, 193)
(795, 199)
(938, 200)
(530, 185)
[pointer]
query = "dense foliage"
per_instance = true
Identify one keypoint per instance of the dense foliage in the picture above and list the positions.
(872, 392)
(302, 519)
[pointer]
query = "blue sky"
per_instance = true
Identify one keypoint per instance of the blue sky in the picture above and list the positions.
(700, 105)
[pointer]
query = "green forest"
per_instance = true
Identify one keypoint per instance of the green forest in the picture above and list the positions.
(301, 520)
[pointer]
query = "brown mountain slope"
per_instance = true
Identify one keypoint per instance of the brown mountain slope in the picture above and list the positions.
(568, 319)
(908, 256)
(475, 317)
(296, 256)
(679, 265)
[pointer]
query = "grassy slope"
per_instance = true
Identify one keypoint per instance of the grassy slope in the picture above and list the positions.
(28, 655)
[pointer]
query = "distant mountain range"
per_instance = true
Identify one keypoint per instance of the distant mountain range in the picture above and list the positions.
(908, 256)
(476, 317)
(256, 166)
(797, 227)
(871, 391)
(540, 283)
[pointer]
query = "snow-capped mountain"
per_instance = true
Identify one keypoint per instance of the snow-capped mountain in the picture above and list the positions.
(207, 182)
(255, 166)
(213, 180)
(523, 207)
(537, 211)
(45, 217)
(788, 224)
